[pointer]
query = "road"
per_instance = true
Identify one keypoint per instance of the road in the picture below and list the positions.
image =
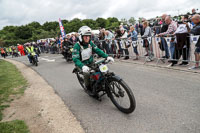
(168, 101)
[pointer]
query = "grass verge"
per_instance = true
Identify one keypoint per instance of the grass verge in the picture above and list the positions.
(12, 85)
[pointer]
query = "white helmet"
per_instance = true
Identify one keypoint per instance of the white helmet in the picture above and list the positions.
(83, 31)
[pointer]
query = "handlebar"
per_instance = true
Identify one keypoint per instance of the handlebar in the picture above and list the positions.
(102, 61)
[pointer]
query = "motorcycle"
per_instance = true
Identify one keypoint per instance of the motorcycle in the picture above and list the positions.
(34, 59)
(102, 82)
(37, 50)
(15, 54)
(67, 53)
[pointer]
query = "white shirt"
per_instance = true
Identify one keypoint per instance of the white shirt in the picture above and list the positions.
(182, 28)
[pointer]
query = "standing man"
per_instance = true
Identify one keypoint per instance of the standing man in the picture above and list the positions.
(172, 26)
(195, 31)
(164, 28)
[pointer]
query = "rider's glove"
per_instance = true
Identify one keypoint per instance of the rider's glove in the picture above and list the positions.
(85, 69)
(110, 59)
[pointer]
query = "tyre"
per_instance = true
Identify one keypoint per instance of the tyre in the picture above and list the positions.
(36, 64)
(120, 93)
(81, 80)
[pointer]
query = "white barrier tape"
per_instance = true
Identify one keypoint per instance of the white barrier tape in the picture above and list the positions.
(157, 39)
(134, 43)
(149, 40)
(194, 39)
(168, 40)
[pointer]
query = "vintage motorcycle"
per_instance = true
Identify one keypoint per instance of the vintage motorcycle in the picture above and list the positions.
(104, 82)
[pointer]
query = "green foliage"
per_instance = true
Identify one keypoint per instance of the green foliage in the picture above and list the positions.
(124, 21)
(73, 25)
(48, 26)
(132, 20)
(101, 22)
(15, 126)
(12, 35)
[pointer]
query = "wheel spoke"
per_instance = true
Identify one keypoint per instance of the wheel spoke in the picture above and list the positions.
(120, 95)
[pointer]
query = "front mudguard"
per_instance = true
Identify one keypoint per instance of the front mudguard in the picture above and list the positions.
(113, 76)
(75, 70)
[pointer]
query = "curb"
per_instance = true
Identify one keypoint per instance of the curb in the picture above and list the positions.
(158, 66)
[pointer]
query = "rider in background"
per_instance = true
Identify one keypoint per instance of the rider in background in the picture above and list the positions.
(30, 50)
(83, 53)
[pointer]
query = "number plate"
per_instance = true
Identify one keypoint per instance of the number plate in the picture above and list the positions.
(103, 68)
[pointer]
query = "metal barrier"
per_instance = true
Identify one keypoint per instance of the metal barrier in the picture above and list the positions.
(155, 49)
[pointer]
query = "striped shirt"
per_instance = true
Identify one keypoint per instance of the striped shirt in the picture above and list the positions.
(171, 28)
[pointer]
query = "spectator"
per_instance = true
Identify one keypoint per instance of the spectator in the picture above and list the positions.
(193, 12)
(125, 46)
(146, 43)
(108, 38)
(182, 46)
(118, 34)
(164, 28)
(133, 36)
(172, 26)
(195, 31)
(73, 39)
(101, 38)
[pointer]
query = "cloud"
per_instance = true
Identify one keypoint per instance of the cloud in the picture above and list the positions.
(20, 12)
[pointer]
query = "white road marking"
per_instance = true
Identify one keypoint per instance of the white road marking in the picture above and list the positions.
(48, 60)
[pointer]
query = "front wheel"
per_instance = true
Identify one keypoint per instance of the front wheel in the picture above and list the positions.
(121, 95)
(34, 61)
(81, 80)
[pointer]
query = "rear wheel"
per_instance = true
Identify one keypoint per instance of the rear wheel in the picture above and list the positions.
(121, 96)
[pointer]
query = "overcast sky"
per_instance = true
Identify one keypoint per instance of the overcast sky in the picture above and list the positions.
(21, 12)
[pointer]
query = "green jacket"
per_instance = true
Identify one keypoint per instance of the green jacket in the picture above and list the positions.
(76, 54)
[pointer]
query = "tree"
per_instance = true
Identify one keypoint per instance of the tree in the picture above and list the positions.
(89, 22)
(2, 43)
(101, 22)
(11, 35)
(34, 25)
(73, 25)
(23, 32)
(48, 26)
(110, 21)
(124, 21)
(64, 21)
(132, 20)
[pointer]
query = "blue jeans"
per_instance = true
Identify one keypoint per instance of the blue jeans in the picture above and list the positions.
(164, 43)
(135, 50)
(172, 48)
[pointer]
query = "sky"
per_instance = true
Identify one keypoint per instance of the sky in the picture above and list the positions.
(21, 12)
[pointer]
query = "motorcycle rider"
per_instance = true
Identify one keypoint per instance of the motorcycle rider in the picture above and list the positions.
(66, 46)
(82, 53)
(66, 42)
(30, 50)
